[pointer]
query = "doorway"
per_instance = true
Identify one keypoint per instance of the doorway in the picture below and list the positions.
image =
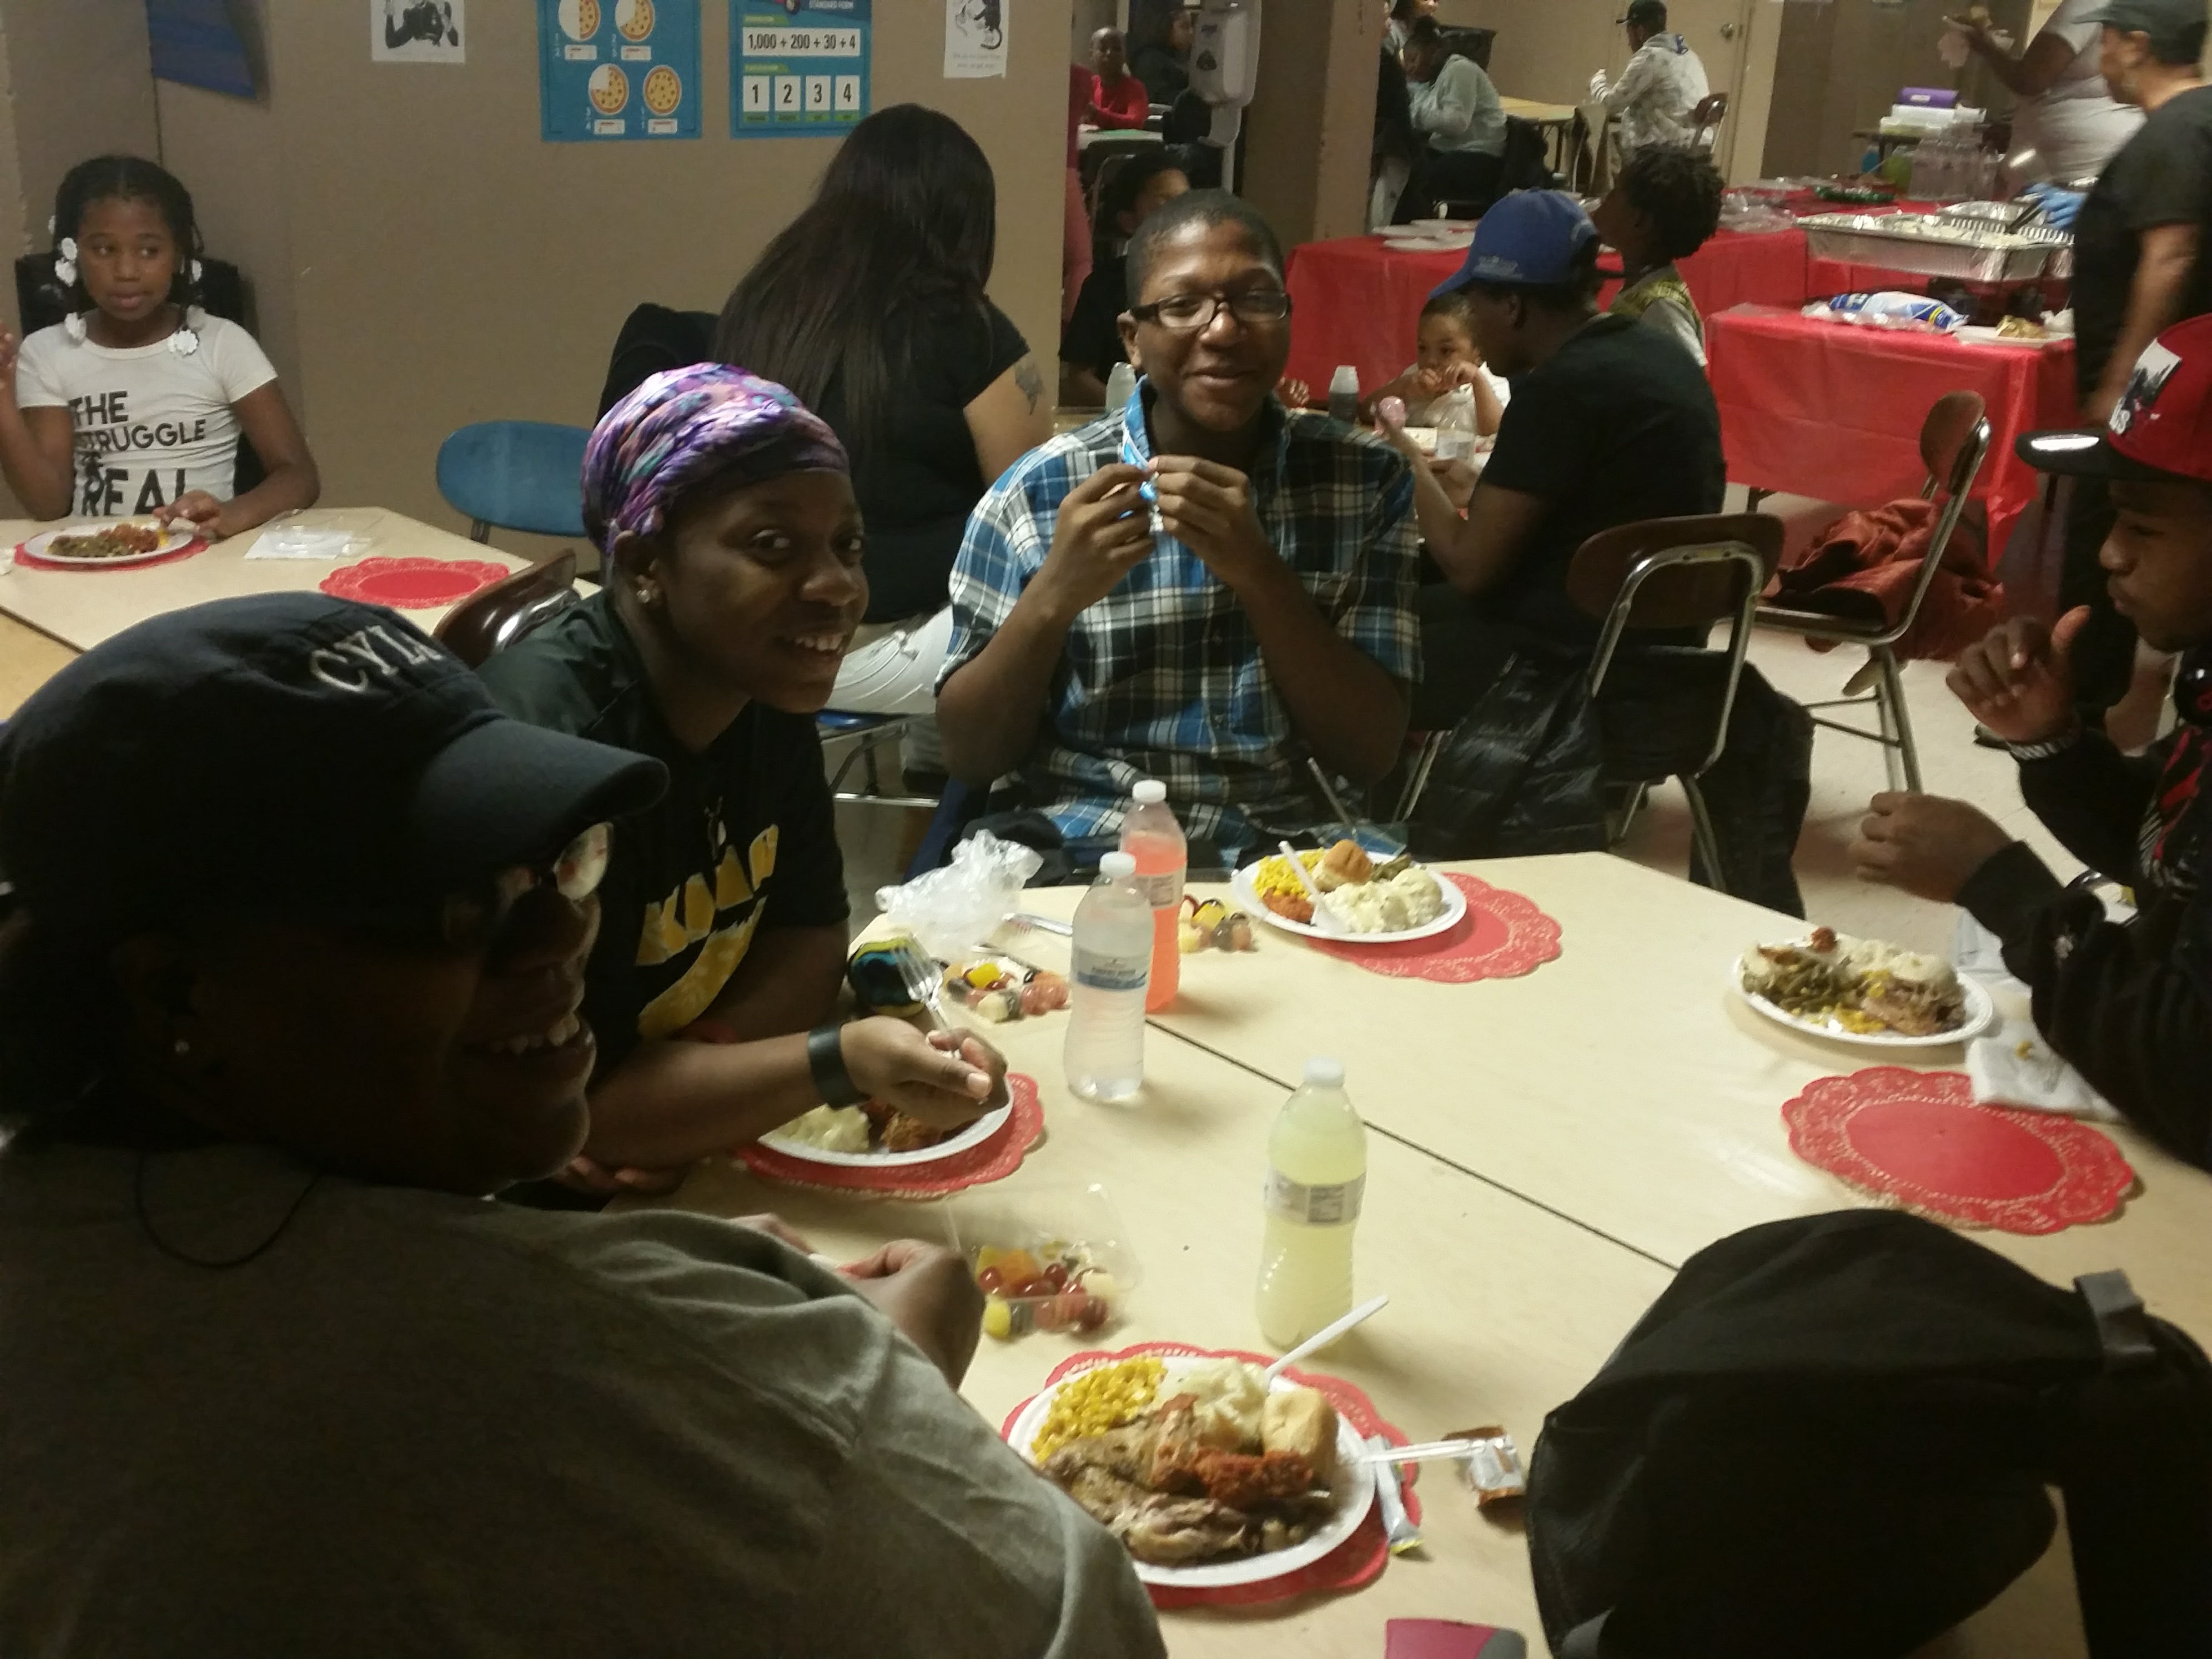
(1719, 32)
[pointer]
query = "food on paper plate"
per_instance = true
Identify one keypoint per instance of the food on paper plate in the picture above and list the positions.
(998, 988)
(1362, 895)
(1154, 1472)
(870, 1127)
(1864, 987)
(2021, 328)
(121, 540)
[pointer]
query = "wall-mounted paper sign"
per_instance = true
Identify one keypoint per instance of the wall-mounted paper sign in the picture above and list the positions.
(418, 31)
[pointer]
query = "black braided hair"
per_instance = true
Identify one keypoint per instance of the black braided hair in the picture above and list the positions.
(129, 179)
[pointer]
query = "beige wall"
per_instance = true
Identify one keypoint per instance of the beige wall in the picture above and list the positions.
(1311, 128)
(421, 259)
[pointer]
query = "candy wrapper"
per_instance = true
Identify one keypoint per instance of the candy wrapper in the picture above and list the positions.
(1494, 1465)
(956, 908)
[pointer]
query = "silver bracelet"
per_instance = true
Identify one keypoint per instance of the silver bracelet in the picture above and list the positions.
(2049, 747)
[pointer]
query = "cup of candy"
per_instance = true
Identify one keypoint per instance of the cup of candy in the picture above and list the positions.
(1046, 1257)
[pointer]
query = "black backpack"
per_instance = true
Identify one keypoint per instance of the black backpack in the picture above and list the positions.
(1831, 1437)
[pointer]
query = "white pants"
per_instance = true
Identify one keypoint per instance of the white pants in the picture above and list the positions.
(892, 668)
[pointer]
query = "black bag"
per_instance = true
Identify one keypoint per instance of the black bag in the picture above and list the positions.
(1831, 1437)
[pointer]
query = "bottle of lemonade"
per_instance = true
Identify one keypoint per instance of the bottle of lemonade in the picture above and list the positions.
(1151, 835)
(1316, 1175)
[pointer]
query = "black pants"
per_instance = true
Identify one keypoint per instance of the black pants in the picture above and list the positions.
(2104, 656)
(1459, 176)
(1462, 654)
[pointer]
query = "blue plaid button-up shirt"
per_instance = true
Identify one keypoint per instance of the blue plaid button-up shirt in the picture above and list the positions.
(1163, 678)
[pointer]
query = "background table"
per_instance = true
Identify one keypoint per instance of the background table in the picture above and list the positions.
(80, 608)
(1357, 301)
(1833, 411)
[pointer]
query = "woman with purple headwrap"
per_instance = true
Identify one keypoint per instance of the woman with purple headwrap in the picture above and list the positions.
(732, 576)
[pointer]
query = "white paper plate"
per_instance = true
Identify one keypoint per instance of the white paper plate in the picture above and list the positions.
(1980, 1011)
(171, 541)
(1354, 1493)
(1981, 336)
(974, 1135)
(1441, 227)
(1429, 244)
(1247, 898)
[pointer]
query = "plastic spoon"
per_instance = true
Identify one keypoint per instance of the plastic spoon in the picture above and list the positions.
(1323, 1337)
(1324, 918)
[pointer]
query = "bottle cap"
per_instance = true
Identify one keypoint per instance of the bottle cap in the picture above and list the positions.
(1117, 866)
(1150, 792)
(1325, 1073)
(1346, 379)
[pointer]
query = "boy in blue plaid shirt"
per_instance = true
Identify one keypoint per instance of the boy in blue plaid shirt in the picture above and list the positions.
(1262, 602)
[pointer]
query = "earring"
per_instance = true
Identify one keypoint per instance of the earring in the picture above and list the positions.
(73, 326)
(645, 594)
(181, 1046)
(65, 261)
(195, 269)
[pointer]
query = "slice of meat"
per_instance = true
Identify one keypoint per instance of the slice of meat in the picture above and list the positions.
(1167, 1532)
(1126, 1452)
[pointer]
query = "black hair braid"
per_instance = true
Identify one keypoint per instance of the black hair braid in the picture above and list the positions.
(130, 179)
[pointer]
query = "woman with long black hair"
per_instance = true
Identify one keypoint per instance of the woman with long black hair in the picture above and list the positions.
(871, 307)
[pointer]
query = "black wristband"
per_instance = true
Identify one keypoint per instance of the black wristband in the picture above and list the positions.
(825, 1059)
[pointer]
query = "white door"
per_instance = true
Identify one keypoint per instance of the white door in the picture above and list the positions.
(1719, 32)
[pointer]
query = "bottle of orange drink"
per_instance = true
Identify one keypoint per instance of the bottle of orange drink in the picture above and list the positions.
(1151, 835)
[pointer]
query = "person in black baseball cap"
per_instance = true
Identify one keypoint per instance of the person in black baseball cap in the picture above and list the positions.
(2129, 1006)
(288, 982)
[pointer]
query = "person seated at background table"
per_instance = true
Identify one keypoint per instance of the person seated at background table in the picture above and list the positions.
(1455, 112)
(2129, 1004)
(1661, 88)
(282, 1381)
(1162, 64)
(870, 306)
(2066, 124)
(1399, 25)
(2138, 266)
(134, 405)
(1272, 606)
(1664, 206)
(1090, 344)
(734, 554)
(1445, 356)
(1119, 100)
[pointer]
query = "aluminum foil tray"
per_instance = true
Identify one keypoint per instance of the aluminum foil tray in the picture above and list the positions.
(1924, 244)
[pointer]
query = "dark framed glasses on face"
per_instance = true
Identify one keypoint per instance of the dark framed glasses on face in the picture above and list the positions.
(1186, 313)
(469, 918)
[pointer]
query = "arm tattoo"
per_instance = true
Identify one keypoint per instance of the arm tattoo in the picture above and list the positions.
(1032, 383)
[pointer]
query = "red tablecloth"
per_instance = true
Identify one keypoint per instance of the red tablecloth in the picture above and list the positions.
(1833, 411)
(1357, 301)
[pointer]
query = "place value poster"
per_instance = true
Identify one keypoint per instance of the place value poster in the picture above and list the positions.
(618, 69)
(799, 69)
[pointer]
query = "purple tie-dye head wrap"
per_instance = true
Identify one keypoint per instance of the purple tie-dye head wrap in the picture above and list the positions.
(682, 428)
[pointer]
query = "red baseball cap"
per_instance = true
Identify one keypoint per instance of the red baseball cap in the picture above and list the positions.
(2161, 428)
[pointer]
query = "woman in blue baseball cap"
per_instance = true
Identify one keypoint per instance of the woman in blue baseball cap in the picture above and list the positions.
(293, 952)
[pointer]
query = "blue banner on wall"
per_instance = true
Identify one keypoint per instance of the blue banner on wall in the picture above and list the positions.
(618, 69)
(197, 42)
(799, 69)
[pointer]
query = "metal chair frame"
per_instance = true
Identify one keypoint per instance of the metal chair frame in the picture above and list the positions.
(868, 733)
(1706, 121)
(1881, 672)
(1754, 567)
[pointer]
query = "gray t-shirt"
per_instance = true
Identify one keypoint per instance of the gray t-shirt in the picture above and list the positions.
(433, 1425)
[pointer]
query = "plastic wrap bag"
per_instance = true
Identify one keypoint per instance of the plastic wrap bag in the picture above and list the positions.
(1889, 309)
(955, 909)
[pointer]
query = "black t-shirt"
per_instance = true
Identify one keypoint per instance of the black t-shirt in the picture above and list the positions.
(1091, 337)
(918, 483)
(2162, 176)
(1618, 425)
(1165, 73)
(745, 840)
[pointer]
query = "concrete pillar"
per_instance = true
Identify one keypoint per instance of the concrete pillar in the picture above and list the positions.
(1311, 128)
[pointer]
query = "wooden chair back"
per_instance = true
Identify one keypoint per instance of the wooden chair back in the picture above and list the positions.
(492, 619)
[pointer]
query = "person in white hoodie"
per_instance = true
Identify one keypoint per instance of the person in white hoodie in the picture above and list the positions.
(1663, 84)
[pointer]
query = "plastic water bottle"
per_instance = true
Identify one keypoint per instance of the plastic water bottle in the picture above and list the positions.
(1121, 387)
(1343, 394)
(1151, 836)
(1455, 419)
(1316, 1175)
(1105, 1049)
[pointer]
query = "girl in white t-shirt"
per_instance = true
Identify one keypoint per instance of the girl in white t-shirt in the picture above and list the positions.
(1445, 359)
(134, 406)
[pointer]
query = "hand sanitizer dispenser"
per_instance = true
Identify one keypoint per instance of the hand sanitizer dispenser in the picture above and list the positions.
(1224, 70)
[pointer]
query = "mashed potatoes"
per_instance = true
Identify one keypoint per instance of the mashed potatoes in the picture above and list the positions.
(828, 1129)
(1230, 1397)
(1408, 899)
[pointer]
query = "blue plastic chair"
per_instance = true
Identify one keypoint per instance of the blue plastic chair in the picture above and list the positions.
(515, 475)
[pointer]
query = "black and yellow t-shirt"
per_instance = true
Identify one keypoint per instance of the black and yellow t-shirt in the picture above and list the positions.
(744, 841)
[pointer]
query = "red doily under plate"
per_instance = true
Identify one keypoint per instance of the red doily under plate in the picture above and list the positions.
(30, 560)
(412, 584)
(993, 1160)
(1352, 1564)
(1502, 936)
(1917, 1140)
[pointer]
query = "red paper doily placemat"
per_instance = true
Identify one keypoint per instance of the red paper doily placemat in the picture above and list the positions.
(1502, 936)
(1355, 1563)
(412, 584)
(30, 560)
(1917, 1140)
(993, 1160)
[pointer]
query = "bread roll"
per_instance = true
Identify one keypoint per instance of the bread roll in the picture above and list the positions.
(1303, 1421)
(1345, 864)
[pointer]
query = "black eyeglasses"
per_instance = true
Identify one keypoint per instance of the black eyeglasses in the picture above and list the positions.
(468, 918)
(1186, 313)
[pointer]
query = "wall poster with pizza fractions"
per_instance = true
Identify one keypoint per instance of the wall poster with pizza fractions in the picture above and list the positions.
(799, 69)
(618, 69)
